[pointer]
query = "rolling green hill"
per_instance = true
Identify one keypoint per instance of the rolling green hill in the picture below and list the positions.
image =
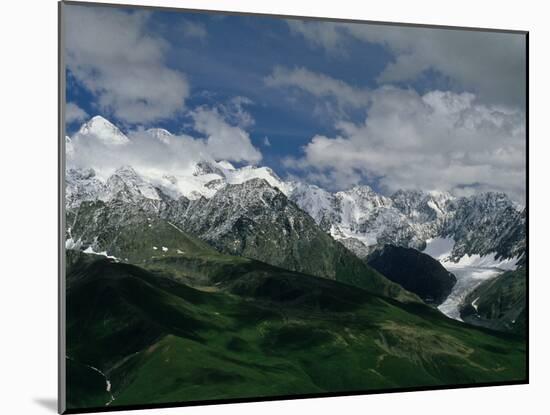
(202, 326)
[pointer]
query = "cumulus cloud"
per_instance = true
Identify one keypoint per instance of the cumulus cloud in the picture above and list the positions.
(73, 113)
(157, 152)
(491, 64)
(224, 141)
(436, 141)
(318, 85)
(113, 55)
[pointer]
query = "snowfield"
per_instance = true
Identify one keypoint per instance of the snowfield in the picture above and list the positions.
(470, 271)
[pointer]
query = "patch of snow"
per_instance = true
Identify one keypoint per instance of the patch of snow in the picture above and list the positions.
(486, 261)
(107, 384)
(72, 244)
(175, 227)
(164, 249)
(90, 250)
(439, 248)
(474, 303)
(155, 248)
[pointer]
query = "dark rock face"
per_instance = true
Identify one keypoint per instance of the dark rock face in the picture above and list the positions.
(414, 271)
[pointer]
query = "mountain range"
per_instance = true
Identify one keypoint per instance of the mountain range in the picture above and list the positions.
(219, 281)
(360, 218)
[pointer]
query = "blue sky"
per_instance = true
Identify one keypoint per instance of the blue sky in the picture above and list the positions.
(233, 59)
(365, 91)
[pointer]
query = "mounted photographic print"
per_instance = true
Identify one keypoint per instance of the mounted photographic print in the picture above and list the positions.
(259, 207)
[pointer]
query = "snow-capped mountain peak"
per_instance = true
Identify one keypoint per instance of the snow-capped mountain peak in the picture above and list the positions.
(103, 130)
(162, 135)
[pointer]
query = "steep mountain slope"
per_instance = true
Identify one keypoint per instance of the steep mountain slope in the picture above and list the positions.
(414, 271)
(255, 220)
(257, 331)
(82, 185)
(499, 303)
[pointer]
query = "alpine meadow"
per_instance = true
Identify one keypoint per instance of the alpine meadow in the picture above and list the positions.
(259, 207)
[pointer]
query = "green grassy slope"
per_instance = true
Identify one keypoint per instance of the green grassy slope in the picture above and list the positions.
(500, 303)
(140, 238)
(248, 329)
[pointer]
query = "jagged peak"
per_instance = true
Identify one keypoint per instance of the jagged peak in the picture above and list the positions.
(256, 183)
(206, 167)
(126, 170)
(360, 189)
(490, 198)
(408, 193)
(81, 173)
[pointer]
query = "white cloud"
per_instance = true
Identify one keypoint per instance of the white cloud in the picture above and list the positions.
(234, 111)
(73, 113)
(319, 85)
(194, 30)
(224, 141)
(326, 35)
(489, 63)
(163, 154)
(267, 143)
(112, 54)
(436, 141)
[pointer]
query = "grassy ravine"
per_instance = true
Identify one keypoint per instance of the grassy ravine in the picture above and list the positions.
(249, 329)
